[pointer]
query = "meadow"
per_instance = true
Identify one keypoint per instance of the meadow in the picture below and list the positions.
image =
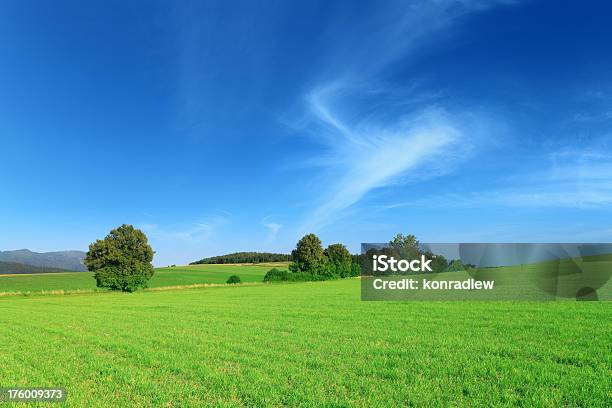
(163, 277)
(305, 344)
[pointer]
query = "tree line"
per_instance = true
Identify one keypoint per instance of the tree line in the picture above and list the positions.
(310, 262)
(123, 260)
(244, 257)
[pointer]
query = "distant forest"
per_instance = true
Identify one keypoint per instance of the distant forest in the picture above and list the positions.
(244, 257)
(17, 268)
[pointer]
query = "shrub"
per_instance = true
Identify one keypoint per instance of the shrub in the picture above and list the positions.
(122, 260)
(281, 275)
(277, 275)
(305, 277)
(234, 279)
(455, 266)
(438, 262)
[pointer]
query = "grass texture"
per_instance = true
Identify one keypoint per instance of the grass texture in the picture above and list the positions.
(305, 344)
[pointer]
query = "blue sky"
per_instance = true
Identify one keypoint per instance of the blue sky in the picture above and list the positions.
(220, 126)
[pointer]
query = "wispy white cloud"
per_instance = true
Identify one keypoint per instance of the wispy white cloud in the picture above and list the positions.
(593, 117)
(197, 231)
(575, 197)
(272, 227)
(375, 135)
(187, 243)
(370, 156)
(571, 179)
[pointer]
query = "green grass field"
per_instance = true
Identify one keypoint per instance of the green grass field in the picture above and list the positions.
(305, 344)
(163, 277)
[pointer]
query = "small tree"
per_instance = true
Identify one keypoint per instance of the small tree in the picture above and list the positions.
(308, 256)
(122, 260)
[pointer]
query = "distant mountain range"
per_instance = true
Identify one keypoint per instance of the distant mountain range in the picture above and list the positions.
(61, 260)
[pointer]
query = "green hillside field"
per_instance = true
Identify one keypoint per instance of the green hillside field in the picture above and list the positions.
(305, 344)
(163, 277)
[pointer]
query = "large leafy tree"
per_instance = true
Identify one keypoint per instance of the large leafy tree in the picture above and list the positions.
(308, 256)
(122, 260)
